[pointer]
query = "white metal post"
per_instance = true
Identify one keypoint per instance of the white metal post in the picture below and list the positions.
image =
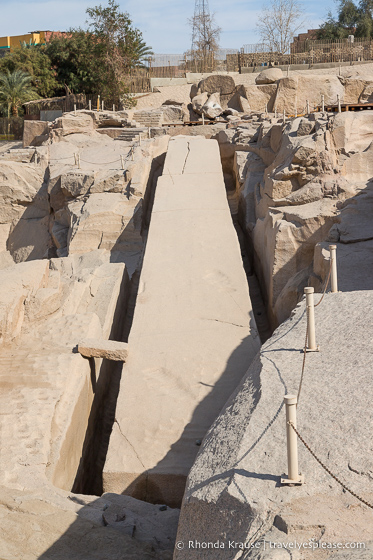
(311, 344)
(203, 118)
(90, 105)
(292, 443)
(102, 104)
(74, 109)
(333, 264)
(113, 108)
(339, 103)
(323, 103)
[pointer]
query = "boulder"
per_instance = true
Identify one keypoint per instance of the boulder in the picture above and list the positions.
(367, 95)
(354, 88)
(194, 91)
(35, 132)
(174, 113)
(260, 97)
(70, 123)
(212, 107)
(222, 84)
(305, 127)
(269, 76)
(198, 102)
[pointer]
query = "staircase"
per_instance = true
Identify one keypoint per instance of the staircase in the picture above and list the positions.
(132, 134)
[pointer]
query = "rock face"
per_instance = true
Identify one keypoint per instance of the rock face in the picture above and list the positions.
(269, 76)
(155, 439)
(233, 490)
(300, 184)
(92, 216)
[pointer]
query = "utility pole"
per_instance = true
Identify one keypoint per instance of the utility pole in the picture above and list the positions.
(205, 33)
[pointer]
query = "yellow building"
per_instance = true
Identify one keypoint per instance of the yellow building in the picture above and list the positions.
(15, 42)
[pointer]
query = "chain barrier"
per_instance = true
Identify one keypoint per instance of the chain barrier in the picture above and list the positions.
(326, 284)
(328, 470)
(96, 162)
(306, 339)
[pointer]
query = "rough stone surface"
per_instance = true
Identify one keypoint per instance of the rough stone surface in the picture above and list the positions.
(224, 85)
(184, 380)
(108, 349)
(198, 102)
(233, 490)
(212, 108)
(269, 76)
(34, 132)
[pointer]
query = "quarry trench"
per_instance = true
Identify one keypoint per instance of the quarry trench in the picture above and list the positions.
(89, 477)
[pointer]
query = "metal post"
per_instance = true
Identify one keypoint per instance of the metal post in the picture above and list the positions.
(292, 442)
(311, 344)
(78, 161)
(102, 104)
(90, 105)
(113, 108)
(98, 103)
(74, 109)
(149, 132)
(323, 103)
(339, 103)
(75, 160)
(308, 107)
(266, 109)
(333, 263)
(122, 161)
(203, 118)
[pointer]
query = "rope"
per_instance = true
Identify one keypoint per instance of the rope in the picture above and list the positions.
(328, 470)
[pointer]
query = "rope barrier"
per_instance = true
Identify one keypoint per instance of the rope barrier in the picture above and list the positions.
(328, 470)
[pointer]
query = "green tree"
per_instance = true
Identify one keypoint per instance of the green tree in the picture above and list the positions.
(100, 58)
(351, 19)
(15, 89)
(34, 60)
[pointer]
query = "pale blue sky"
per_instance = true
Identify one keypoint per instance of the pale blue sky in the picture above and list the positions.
(163, 22)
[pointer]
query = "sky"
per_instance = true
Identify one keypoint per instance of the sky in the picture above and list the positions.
(162, 22)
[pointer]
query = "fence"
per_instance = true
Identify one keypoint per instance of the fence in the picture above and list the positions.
(11, 129)
(302, 52)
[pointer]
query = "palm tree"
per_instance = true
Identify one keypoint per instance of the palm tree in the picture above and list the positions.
(16, 89)
(142, 53)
